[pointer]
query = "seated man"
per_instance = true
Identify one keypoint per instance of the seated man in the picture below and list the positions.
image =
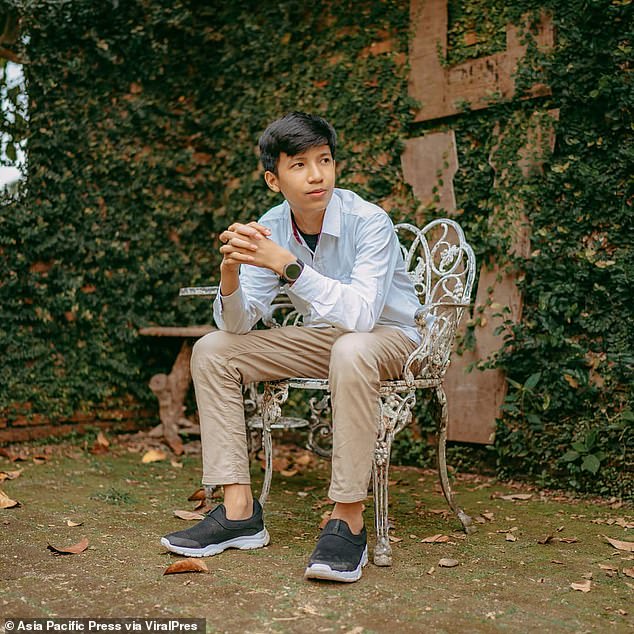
(339, 258)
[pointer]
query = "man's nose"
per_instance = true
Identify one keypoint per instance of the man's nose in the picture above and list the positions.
(314, 174)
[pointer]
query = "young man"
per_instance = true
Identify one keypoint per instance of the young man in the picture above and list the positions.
(339, 260)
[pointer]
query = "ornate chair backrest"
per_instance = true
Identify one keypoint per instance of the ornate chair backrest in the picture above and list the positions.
(441, 265)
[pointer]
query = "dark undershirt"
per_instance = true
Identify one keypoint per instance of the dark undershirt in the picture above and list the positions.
(311, 239)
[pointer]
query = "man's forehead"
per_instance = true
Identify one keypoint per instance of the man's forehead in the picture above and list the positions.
(319, 150)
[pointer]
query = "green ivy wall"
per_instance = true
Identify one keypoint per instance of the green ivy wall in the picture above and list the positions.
(143, 123)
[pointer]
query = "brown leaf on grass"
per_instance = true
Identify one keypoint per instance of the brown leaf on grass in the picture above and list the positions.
(621, 521)
(303, 460)
(395, 540)
(448, 563)
(628, 572)
(435, 539)
(488, 516)
(153, 455)
(72, 524)
(101, 444)
(6, 502)
(188, 515)
(556, 561)
(186, 565)
(10, 475)
(584, 586)
(621, 545)
(609, 567)
(198, 494)
(75, 549)
(39, 459)
(509, 537)
(289, 473)
(176, 464)
(516, 496)
(12, 455)
(280, 463)
(546, 540)
(567, 540)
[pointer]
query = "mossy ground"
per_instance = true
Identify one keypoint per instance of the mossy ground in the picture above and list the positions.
(125, 506)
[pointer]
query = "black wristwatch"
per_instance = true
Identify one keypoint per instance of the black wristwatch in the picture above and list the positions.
(292, 271)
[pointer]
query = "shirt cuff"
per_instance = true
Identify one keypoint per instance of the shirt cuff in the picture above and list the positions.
(304, 286)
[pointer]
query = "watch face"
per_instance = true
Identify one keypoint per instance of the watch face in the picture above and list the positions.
(292, 271)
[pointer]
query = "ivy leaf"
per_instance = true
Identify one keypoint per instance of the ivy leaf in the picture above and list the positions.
(532, 380)
(591, 463)
(570, 456)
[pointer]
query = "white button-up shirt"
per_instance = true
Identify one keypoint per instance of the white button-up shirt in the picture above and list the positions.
(354, 280)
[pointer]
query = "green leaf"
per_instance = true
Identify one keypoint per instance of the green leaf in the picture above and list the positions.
(570, 456)
(532, 380)
(591, 463)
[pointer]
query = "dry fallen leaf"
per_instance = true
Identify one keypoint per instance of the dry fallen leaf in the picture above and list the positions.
(289, 473)
(628, 572)
(608, 567)
(10, 475)
(435, 539)
(71, 523)
(186, 565)
(567, 540)
(585, 586)
(153, 455)
(510, 537)
(176, 464)
(198, 494)
(545, 540)
(39, 459)
(6, 502)
(621, 545)
(325, 518)
(189, 515)
(395, 540)
(75, 549)
(448, 563)
(517, 496)
(431, 571)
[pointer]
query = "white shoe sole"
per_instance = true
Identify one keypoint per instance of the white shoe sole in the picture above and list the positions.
(245, 542)
(326, 573)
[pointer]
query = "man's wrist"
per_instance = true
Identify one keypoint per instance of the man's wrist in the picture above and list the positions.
(282, 261)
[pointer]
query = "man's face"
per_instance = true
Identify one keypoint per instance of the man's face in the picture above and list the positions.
(306, 179)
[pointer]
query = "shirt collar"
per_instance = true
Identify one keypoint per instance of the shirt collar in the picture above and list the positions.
(332, 218)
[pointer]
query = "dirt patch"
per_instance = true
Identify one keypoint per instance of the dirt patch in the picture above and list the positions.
(505, 580)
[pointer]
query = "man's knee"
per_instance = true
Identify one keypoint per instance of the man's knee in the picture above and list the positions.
(211, 348)
(350, 357)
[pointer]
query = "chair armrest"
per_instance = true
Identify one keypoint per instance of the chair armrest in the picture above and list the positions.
(437, 324)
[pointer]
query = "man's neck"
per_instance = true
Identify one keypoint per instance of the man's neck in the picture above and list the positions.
(310, 223)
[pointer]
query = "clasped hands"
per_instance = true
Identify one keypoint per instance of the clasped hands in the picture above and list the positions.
(250, 244)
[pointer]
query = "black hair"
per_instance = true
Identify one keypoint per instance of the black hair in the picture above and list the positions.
(292, 134)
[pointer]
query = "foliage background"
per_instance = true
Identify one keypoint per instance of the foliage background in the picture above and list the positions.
(143, 121)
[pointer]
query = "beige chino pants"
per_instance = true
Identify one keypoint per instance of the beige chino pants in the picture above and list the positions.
(353, 362)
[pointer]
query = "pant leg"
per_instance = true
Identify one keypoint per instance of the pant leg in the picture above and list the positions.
(222, 362)
(358, 363)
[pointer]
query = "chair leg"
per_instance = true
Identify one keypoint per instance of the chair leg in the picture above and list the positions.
(382, 549)
(465, 520)
(275, 395)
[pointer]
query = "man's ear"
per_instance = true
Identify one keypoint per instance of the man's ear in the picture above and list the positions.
(271, 181)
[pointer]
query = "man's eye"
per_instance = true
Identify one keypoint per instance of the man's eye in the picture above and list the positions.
(297, 165)
(325, 160)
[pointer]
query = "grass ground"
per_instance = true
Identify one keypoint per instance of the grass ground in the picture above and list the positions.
(505, 580)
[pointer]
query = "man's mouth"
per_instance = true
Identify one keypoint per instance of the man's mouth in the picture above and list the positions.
(316, 192)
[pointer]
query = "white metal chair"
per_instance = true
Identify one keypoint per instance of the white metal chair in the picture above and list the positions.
(442, 266)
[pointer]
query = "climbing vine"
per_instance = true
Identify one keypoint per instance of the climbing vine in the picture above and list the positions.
(143, 118)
